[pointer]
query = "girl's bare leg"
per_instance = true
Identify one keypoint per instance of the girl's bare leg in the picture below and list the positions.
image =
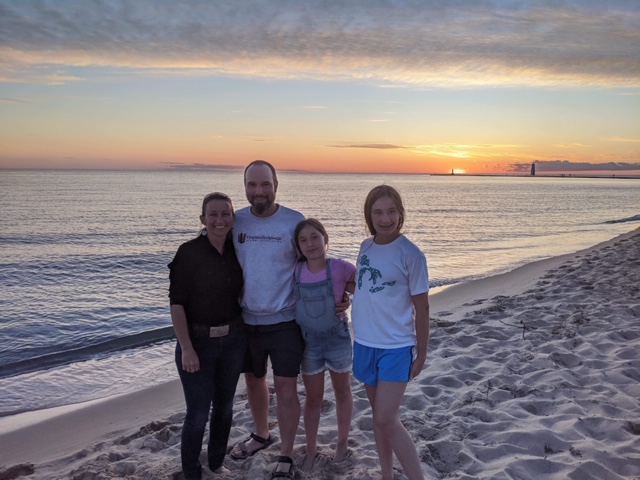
(314, 387)
(344, 411)
(391, 436)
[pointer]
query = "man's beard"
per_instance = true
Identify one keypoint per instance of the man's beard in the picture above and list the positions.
(260, 208)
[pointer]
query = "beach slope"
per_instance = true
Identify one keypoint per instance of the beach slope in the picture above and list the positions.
(531, 374)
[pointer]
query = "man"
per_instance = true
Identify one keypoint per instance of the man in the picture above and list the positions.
(264, 243)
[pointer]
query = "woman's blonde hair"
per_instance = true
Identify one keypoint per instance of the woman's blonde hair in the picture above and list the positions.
(215, 196)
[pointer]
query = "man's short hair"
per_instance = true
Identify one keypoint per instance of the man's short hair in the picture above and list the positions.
(261, 162)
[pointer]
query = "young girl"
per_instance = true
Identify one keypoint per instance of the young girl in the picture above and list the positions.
(320, 283)
(391, 325)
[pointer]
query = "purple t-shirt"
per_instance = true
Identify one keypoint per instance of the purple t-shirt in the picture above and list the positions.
(341, 272)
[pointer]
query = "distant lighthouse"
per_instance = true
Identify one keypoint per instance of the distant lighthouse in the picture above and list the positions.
(533, 169)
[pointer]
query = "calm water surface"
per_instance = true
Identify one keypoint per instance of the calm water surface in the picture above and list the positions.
(83, 255)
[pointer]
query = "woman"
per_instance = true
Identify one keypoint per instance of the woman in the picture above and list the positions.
(205, 285)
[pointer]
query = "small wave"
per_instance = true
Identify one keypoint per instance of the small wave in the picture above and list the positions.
(85, 238)
(54, 270)
(635, 218)
(441, 283)
(447, 282)
(453, 281)
(79, 354)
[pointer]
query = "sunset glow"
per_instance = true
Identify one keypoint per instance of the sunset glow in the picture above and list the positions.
(329, 87)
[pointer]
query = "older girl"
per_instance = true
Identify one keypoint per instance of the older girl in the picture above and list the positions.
(391, 325)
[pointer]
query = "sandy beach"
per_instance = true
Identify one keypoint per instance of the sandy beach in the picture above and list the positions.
(533, 374)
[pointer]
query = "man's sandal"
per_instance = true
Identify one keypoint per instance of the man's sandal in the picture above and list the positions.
(289, 473)
(241, 450)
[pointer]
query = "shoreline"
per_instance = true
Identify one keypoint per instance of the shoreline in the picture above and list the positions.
(442, 299)
(463, 402)
(149, 340)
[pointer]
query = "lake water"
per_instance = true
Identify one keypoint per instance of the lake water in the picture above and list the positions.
(84, 254)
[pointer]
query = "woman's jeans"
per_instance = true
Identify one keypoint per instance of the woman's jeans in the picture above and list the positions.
(210, 389)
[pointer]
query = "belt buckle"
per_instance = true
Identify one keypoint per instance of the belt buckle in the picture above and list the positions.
(219, 331)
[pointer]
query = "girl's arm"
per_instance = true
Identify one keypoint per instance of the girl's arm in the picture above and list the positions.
(421, 305)
(350, 286)
(190, 360)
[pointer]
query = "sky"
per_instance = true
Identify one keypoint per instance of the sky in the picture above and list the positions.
(322, 85)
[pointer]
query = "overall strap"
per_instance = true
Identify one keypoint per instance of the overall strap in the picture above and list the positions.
(296, 277)
(298, 272)
(329, 281)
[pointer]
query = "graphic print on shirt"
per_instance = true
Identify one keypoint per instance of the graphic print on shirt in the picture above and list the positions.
(375, 275)
(243, 238)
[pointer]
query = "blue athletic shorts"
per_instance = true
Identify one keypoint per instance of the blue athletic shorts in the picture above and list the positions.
(371, 365)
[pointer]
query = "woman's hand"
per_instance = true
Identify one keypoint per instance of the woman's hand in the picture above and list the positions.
(190, 361)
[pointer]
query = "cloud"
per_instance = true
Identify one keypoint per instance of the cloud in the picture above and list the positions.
(216, 167)
(567, 166)
(572, 145)
(12, 100)
(203, 166)
(378, 146)
(259, 139)
(248, 138)
(452, 150)
(624, 140)
(392, 42)
(455, 150)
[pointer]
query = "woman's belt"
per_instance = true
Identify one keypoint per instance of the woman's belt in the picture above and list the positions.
(200, 330)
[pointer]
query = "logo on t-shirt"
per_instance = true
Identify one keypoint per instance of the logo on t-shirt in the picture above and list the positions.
(375, 275)
(243, 238)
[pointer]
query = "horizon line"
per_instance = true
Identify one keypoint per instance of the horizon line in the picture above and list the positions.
(239, 169)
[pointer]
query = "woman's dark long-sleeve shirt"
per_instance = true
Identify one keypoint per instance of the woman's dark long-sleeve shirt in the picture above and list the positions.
(206, 283)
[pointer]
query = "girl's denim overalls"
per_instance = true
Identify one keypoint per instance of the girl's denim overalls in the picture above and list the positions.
(327, 338)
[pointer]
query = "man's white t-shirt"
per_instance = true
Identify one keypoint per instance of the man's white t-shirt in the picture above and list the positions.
(267, 253)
